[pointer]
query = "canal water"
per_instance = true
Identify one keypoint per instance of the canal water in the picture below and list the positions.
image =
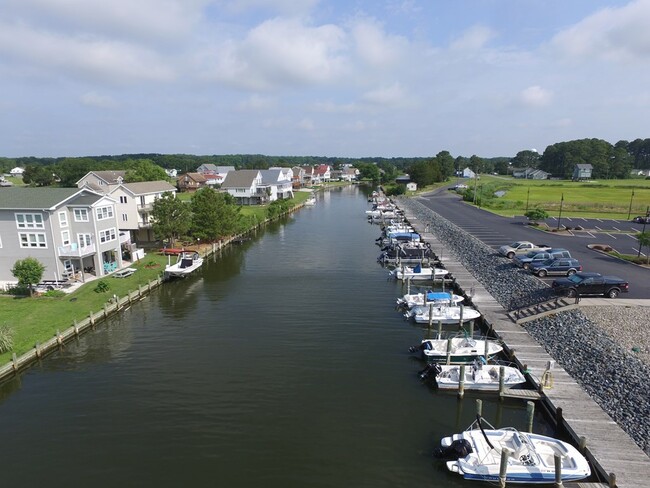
(281, 363)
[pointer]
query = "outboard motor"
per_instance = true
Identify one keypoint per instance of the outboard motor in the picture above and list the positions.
(459, 448)
(423, 346)
(430, 372)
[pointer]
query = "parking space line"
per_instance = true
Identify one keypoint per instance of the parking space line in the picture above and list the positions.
(591, 234)
(598, 228)
(616, 228)
(633, 236)
(610, 236)
(617, 221)
(636, 250)
(599, 220)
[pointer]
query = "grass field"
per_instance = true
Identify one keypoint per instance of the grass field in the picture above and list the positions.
(595, 199)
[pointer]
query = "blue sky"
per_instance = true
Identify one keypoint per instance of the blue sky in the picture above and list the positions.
(325, 78)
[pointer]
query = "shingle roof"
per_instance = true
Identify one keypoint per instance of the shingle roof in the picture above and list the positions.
(240, 179)
(270, 175)
(144, 187)
(110, 176)
(34, 198)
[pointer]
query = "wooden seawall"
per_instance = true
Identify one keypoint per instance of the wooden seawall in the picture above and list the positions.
(610, 449)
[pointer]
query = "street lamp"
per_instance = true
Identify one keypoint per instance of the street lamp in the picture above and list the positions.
(559, 218)
(647, 214)
(629, 211)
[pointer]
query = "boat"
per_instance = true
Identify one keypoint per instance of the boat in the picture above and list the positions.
(423, 299)
(447, 314)
(410, 252)
(311, 201)
(188, 261)
(456, 350)
(475, 454)
(478, 376)
(418, 272)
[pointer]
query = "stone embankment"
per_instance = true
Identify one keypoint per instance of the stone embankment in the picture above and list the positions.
(597, 349)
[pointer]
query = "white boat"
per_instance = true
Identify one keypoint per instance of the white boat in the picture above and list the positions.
(475, 454)
(478, 376)
(311, 201)
(459, 350)
(442, 313)
(186, 263)
(435, 297)
(418, 272)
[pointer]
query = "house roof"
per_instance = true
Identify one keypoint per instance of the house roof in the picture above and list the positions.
(198, 177)
(321, 169)
(240, 179)
(584, 166)
(207, 167)
(270, 175)
(20, 198)
(110, 177)
(146, 187)
(225, 169)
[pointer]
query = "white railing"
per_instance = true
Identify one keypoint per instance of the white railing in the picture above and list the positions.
(73, 250)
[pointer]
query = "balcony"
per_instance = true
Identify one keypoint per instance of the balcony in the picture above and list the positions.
(145, 208)
(74, 251)
(144, 225)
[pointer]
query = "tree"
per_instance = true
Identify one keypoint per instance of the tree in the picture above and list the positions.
(171, 218)
(214, 215)
(29, 272)
(446, 163)
(526, 159)
(144, 170)
(644, 241)
(38, 175)
(536, 214)
(368, 171)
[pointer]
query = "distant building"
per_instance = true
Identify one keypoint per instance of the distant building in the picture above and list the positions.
(468, 173)
(530, 174)
(191, 182)
(17, 172)
(582, 172)
(412, 186)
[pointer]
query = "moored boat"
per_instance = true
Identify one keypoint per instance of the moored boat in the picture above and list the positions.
(418, 273)
(477, 376)
(457, 350)
(423, 299)
(446, 314)
(187, 263)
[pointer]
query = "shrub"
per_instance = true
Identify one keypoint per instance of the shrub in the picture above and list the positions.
(102, 287)
(537, 214)
(54, 293)
(6, 338)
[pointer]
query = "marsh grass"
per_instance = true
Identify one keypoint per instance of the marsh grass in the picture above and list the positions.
(6, 338)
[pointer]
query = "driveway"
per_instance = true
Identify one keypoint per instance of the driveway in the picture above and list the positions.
(495, 231)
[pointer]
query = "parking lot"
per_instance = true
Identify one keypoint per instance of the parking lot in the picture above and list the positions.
(496, 231)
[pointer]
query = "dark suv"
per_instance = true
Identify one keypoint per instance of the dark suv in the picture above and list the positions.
(562, 266)
(641, 220)
(539, 256)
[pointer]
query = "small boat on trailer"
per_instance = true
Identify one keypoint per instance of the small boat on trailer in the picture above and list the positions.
(457, 350)
(476, 454)
(188, 262)
(477, 376)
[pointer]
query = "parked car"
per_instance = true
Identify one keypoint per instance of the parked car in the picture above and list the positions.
(562, 266)
(540, 256)
(591, 284)
(521, 247)
(641, 220)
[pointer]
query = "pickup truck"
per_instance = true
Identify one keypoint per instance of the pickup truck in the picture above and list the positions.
(521, 247)
(590, 284)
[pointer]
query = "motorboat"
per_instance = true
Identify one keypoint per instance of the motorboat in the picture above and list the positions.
(311, 201)
(477, 376)
(187, 262)
(418, 272)
(457, 350)
(423, 299)
(410, 252)
(435, 313)
(475, 454)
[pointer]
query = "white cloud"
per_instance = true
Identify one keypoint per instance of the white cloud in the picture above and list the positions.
(375, 47)
(257, 103)
(536, 96)
(93, 99)
(290, 7)
(615, 34)
(387, 96)
(473, 39)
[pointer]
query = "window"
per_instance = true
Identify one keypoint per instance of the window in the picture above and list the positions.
(65, 237)
(84, 240)
(123, 199)
(107, 235)
(63, 219)
(104, 212)
(32, 239)
(125, 218)
(29, 221)
(80, 215)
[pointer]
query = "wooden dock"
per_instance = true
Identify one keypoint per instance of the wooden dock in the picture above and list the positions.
(608, 447)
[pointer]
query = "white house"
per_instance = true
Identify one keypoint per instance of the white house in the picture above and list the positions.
(17, 171)
(246, 187)
(278, 184)
(101, 181)
(468, 173)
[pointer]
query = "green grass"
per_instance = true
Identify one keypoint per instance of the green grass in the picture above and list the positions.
(597, 199)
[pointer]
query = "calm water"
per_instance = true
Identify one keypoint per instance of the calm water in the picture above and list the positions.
(282, 363)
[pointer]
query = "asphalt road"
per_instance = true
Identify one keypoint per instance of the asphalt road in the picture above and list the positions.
(496, 231)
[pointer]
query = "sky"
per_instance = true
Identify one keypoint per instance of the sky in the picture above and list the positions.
(338, 78)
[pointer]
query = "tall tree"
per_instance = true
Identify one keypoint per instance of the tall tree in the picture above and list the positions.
(214, 215)
(144, 170)
(526, 159)
(29, 272)
(446, 163)
(171, 218)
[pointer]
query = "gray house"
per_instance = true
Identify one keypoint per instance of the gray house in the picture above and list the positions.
(582, 172)
(73, 232)
(530, 174)
(246, 186)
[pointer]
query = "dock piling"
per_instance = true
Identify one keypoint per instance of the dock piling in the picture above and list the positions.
(530, 414)
(503, 467)
(558, 471)
(461, 382)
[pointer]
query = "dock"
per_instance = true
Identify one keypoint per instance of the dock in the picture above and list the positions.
(610, 450)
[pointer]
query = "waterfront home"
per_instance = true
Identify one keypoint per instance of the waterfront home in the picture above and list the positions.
(17, 172)
(298, 177)
(246, 187)
(73, 232)
(322, 173)
(191, 182)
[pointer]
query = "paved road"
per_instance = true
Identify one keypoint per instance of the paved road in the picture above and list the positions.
(495, 231)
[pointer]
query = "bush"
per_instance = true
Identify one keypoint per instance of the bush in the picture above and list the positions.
(6, 338)
(102, 287)
(54, 293)
(536, 214)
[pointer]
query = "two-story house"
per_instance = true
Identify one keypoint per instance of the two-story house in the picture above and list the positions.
(278, 184)
(73, 232)
(298, 176)
(134, 202)
(246, 186)
(582, 172)
(322, 173)
(191, 182)
(101, 181)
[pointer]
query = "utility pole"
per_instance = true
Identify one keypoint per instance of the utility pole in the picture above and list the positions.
(559, 219)
(629, 211)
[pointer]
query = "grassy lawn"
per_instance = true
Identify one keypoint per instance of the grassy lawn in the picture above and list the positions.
(596, 199)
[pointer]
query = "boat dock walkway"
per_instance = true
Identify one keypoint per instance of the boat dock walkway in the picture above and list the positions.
(610, 449)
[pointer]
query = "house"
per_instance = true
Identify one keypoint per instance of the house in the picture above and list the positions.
(101, 181)
(582, 172)
(298, 177)
(349, 173)
(191, 182)
(73, 232)
(133, 205)
(530, 174)
(246, 187)
(307, 175)
(412, 186)
(640, 172)
(278, 184)
(322, 173)
(207, 169)
(172, 173)
(468, 173)
(17, 172)
(221, 173)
